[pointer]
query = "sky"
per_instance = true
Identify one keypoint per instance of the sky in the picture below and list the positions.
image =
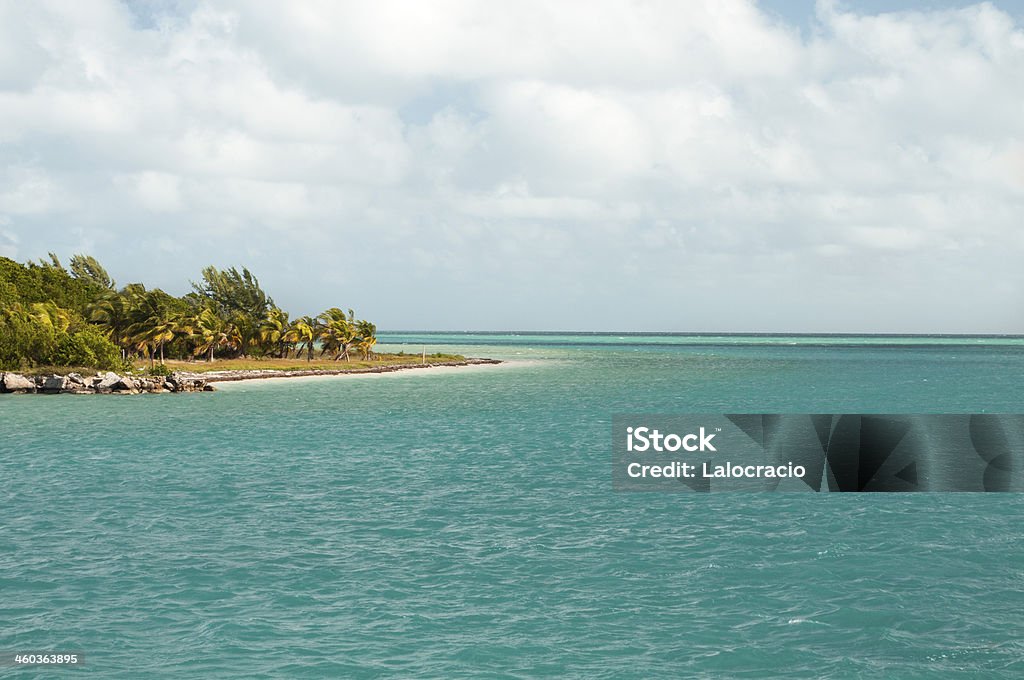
(712, 166)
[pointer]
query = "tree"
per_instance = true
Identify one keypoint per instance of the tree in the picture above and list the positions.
(54, 263)
(273, 329)
(248, 328)
(44, 282)
(112, 312)
(304, 332)
(156, 320)
(86, 268)
(337, 332)
(367, 333)
(44, 334)
(50, 316)
(211, 332)
(23, 339)
(234, 291)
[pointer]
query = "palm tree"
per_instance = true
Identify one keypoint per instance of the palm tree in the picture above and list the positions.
(273, 330)
(304, 332)
(211, 332)
(50, 315)
(248, 329)
(112, 312)
(154, 323)
(338, 333)
(166, 329)
(367, 338)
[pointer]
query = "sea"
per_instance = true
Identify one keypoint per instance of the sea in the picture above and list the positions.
(461, 523)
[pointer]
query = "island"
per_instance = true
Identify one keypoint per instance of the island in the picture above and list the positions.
(74, 331)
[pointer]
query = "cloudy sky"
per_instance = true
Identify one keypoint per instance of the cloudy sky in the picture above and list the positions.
(719, 166)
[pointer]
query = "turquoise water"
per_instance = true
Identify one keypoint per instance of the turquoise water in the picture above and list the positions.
(462, 523)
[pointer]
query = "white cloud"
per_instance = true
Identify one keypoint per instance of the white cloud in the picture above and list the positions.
(156, 191)
(27, 191)
(495, 153)
(8, 239)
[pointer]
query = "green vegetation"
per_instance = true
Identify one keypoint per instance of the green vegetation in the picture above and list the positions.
(56, 317)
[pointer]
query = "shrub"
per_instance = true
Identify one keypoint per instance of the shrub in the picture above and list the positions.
(24, 344)
(86, 347)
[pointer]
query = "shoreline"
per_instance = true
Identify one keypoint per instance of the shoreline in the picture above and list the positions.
(239, 375)
(188, 381)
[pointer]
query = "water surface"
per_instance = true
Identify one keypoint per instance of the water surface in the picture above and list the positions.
(461, 524)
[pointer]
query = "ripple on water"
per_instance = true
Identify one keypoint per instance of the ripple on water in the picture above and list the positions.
(465, 524)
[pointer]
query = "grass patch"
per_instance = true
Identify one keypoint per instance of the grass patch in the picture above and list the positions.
(58, 370)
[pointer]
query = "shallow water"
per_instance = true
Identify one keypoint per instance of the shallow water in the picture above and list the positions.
(463, 523)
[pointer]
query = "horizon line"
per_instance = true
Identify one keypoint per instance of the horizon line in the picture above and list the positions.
(847, 334)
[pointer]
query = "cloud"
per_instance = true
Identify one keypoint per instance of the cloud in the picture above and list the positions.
(156, 191)
(531, 164)
(8, 240)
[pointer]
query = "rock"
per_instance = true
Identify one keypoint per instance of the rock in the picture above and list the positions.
(53, 384)
(124, 384)
(107, 381)
(12, 382)
(75, 383)
(183, 382)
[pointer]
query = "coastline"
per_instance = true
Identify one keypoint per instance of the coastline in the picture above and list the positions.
(239, 375)
(187, 381)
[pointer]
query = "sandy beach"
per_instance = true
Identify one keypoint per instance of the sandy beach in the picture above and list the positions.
(248, 376)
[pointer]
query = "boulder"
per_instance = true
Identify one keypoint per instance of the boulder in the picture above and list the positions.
(75, 383)
(124, 384)
(106, 382)
(114, 382)
(183, 382)
(12, 382)
(53, 384)
(150, 385)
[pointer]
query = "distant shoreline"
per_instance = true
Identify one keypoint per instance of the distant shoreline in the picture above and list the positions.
(385, 337)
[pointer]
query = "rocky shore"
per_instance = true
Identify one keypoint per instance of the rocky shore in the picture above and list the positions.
(182, 381)
(105, 383)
